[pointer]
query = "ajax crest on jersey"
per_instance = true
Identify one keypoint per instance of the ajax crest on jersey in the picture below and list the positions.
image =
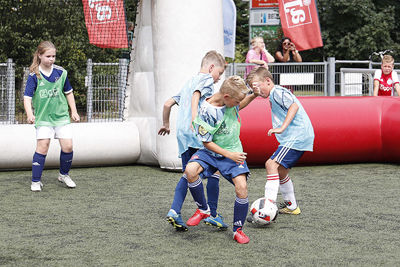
(263, 211)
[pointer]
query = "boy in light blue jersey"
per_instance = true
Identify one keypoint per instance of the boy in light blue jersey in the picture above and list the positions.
(192, 94)
(294, 132)
(218, 127)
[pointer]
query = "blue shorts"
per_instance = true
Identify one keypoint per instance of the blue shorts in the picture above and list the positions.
(227, 167)
(185, 157)
(287, 157)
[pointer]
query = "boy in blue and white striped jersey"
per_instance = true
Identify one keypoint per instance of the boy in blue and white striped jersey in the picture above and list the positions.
(293, 130)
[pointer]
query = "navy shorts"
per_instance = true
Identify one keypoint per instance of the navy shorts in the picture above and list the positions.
(227, 167)
(287, 157)
(185, 157)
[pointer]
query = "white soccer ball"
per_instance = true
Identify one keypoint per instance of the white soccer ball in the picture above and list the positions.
(263, 211)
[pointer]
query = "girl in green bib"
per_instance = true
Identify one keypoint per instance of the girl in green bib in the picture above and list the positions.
(49, 92)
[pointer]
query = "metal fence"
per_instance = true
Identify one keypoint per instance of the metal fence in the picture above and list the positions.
(106, 85)
(303, 79)
(106, 90)
(7, 92)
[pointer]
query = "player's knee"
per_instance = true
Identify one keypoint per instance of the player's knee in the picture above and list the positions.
(271, 166)
(241, 190)
(192, 171)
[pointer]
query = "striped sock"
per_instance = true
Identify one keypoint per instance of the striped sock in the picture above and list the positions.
(272, 187)
(197, 190)
(239, 212)
(287, 190)
(213, 193)
(180, 194)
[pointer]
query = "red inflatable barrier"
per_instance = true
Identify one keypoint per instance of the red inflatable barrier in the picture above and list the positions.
(347, 130)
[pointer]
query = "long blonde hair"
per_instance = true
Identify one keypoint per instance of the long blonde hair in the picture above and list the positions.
(40, 50)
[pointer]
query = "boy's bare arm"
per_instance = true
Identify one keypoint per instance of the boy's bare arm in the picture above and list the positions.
(376, 87)
(237, 157)
(195, 103)
(166, 112)
(288, 119)
(249, 98)
(397, 87)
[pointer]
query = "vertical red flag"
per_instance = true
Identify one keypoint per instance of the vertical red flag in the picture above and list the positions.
(299, 19)
(106, 23)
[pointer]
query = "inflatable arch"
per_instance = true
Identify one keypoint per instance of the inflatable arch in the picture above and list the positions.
(171, 37)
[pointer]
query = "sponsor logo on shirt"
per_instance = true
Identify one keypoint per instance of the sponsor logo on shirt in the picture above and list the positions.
(48, 93)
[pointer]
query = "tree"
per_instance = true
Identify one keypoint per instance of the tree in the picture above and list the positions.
(25, 23)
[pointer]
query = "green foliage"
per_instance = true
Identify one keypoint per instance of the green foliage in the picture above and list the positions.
(350, 29)
(25, 23)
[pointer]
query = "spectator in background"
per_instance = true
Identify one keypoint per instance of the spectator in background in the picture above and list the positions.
(131, 27)
(287, 52)
(258, 55)
(385, 79)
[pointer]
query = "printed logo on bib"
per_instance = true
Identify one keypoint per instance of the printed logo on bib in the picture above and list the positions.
(48, 93)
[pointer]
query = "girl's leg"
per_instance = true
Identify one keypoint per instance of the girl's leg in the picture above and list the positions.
(39, 158)
(66, 155)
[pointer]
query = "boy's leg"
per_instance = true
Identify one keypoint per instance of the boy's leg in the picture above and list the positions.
(240, 208)
(174, 214)
(213, 193)
(193, 169)
(287, 189)
(215, 219)
(272, 184)
(182, 185)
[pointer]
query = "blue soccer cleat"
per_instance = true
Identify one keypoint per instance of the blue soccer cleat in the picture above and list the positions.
(217, 221)
(176, 221)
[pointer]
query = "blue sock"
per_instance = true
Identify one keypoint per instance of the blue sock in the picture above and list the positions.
(180, 194)
(37, 166)
(197, 190)
(240, 212)
(213, 193)
(65, 162)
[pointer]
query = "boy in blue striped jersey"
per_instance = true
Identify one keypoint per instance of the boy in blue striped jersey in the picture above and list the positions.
(294, 132)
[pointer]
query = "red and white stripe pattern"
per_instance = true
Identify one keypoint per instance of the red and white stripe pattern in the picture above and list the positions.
(285, 180)
(272, 177)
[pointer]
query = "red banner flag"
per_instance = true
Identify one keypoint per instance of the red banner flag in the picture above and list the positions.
(299, 19)
(106, 23)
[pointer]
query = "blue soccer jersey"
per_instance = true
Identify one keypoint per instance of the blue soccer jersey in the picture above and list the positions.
(204, 83)
(299, 135)
(31, 83)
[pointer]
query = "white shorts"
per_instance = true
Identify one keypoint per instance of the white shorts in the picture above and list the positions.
(56, 132)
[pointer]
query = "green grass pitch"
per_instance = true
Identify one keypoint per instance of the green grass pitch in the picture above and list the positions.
(116, 217)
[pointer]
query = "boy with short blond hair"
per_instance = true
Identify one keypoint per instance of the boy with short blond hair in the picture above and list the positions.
(218, 127)
(294, 132)
(188, 99)
(385, 79)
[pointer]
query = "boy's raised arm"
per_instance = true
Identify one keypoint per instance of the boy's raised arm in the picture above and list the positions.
(166, 112)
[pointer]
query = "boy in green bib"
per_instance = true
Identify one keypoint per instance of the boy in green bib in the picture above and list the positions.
(49, 90)
(218, 127)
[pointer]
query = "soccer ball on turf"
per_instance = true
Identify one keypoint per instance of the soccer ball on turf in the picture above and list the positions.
(263, 211)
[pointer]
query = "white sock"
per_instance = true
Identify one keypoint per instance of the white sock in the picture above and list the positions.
(287, 190)
(272, 187)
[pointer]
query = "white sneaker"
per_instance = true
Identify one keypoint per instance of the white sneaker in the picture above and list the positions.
(67, 180)
(36, 186)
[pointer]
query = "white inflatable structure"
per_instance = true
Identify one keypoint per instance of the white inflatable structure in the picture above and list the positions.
(171, 37)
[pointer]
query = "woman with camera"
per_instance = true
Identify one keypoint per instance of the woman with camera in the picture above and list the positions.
(287, 52)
